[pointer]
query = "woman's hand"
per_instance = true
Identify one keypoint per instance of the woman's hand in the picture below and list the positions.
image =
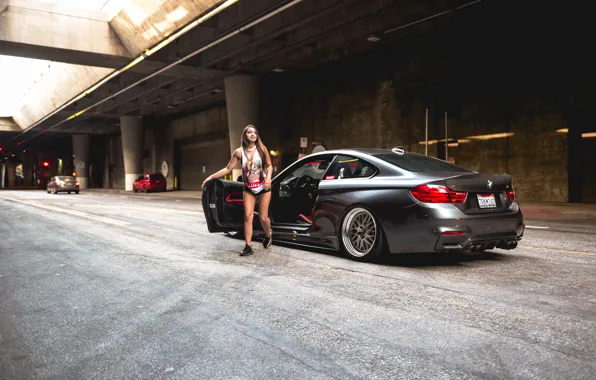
(205, 181)
(267, 184)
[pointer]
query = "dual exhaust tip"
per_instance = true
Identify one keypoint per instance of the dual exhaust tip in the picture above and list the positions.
(503, 244)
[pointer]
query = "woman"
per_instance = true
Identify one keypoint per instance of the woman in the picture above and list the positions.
(256, 175)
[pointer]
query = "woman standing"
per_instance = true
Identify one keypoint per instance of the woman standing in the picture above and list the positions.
(256, 175)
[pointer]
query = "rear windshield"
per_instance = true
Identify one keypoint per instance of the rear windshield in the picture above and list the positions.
(155, 176)
(65, 178)
(420, 164)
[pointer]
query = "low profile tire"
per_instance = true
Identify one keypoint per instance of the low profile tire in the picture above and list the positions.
(69, 192)
(361, 235)
(134, 190)
(76, 192)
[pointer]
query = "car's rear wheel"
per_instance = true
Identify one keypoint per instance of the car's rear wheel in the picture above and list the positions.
(361, 235)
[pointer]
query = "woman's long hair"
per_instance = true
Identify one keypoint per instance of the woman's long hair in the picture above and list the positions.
(261, 148)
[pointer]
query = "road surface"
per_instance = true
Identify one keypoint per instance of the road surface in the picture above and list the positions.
(111, 286)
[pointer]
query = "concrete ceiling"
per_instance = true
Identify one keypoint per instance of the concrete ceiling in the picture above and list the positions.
(304, 35)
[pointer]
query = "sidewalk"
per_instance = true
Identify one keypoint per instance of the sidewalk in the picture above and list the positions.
(531, 210)
(567, 211)
(168, 194)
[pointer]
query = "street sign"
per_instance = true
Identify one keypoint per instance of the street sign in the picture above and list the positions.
(303, 142)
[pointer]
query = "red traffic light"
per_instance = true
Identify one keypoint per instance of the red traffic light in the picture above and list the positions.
(46, 164)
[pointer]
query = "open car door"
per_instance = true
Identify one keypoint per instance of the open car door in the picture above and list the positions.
(223, 205)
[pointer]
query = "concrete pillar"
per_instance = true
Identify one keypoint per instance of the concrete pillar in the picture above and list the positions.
(131, 128)
(11, 173)
(27, 170)
(80, 147)
(2, 175)
(242, 98)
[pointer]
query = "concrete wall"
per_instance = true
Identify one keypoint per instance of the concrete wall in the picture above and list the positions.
(163, 137)
(379, 100)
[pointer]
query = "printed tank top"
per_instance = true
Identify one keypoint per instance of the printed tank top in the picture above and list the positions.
(252, 171)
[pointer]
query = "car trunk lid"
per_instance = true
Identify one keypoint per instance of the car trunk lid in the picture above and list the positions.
(487, 193)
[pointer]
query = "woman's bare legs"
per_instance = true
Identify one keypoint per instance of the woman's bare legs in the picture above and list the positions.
(264, 200)
(249, 212)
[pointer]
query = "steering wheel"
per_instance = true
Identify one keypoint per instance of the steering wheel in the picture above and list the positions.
(304, 182)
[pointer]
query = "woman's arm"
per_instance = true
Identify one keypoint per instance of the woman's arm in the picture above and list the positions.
(269, 174)
(226, 170)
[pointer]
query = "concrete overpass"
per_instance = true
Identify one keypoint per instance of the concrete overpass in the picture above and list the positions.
(153, 81)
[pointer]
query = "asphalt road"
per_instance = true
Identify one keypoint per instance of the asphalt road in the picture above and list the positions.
(134, 287)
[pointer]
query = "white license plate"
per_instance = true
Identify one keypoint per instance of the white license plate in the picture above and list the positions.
(487, 201)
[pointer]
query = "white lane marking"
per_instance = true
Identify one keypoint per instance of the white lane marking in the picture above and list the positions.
(538, 227)
(69, 211)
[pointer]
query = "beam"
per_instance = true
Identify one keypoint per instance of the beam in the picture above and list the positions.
(8, 125)
(27, 29)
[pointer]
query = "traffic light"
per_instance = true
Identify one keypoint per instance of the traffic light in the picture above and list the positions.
(46, 164)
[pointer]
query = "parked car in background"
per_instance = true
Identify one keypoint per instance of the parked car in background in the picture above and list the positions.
(61, 184)
(150, 182)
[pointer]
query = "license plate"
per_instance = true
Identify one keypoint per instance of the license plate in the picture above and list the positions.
(487, 201)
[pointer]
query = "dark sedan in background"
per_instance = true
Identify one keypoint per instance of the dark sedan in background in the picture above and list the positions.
(370, 201)
(62, 184)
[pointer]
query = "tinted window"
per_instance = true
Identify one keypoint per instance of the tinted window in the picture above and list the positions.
(314, 168)
(419, 163)
(350, 167)
(156, 176)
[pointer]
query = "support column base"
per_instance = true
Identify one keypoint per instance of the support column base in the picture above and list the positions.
(83, 182)
(130, 179)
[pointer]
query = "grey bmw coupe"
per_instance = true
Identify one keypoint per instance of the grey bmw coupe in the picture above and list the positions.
(368, 202)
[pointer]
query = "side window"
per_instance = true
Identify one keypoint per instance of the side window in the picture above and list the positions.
(345, 167)
(140, 178)
(314, 168)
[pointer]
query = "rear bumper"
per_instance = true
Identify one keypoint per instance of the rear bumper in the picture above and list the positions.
(65, 188)
(443, 228)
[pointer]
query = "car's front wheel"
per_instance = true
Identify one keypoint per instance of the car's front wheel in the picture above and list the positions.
(361, 235)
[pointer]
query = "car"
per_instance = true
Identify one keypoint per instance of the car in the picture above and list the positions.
(61, 184)
(150, 182)
(367, 202)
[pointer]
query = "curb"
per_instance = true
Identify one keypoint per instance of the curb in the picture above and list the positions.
(546, 213)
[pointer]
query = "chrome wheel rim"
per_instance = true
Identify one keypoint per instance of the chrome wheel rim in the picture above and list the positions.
(359, 232)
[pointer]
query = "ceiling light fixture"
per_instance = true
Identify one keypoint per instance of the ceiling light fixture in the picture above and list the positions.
(373, 38)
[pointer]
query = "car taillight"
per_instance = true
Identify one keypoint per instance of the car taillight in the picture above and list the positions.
(511, 194)
(438, 194)
(77, 183)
